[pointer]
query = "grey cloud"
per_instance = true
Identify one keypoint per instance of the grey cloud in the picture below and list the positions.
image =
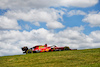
(76, 12)
(28, 4)
(6, 23)
(49, 16)
(71, 37)
(92, 19)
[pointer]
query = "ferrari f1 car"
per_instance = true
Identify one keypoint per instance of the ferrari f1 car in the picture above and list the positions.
(43, 48)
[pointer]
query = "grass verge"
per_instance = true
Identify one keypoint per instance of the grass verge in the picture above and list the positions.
(74, 58)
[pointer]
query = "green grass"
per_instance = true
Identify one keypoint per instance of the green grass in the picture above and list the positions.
(74, 58)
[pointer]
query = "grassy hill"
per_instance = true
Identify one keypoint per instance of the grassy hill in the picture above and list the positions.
(74, 58)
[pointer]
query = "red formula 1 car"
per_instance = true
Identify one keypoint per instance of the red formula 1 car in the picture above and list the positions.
(43, 48)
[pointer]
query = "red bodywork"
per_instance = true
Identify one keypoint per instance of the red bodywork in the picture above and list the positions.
(41, 48)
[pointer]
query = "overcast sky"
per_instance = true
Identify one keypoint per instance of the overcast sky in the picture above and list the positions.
(73, 23)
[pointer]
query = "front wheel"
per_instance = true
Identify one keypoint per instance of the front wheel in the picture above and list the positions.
(29, 51)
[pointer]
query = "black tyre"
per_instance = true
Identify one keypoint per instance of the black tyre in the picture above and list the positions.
(29, 51)
(66, 48)
(60, 50)
(53, 49)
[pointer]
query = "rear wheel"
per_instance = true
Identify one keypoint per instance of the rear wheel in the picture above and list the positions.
(59, 49)
(53, 49)
(29, 51)
(66, 48)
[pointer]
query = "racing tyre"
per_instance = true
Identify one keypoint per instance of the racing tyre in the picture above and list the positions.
(60, 50)
(29, 51)
(66, 48)
(53, 49)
